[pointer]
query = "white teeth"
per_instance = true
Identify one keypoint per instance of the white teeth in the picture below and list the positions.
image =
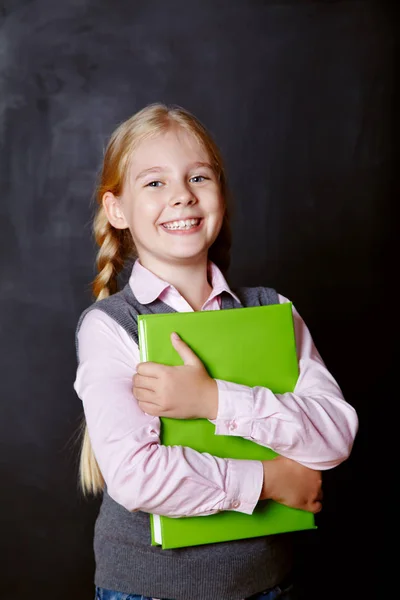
(187, 224)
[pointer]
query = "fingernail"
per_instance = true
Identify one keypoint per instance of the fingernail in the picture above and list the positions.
(175, 336)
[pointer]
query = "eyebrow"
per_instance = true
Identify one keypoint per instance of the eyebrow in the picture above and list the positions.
(161, 169)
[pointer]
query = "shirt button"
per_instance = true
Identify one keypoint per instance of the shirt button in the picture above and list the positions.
(235, 504)
(232, 425)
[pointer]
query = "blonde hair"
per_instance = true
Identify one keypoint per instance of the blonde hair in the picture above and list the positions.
(116, 246)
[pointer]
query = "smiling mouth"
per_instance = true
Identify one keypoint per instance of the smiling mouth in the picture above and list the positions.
(182, 224)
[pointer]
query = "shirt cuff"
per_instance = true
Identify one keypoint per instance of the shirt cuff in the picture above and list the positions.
(235, 409)
(244, 485)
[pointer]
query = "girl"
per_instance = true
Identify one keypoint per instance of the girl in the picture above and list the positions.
(163, 193)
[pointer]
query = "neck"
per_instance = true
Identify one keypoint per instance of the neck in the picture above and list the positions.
(189, 280)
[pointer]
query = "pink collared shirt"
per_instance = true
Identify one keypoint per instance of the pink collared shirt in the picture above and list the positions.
(314, 425)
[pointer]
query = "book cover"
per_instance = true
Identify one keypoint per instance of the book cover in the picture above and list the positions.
(253, 346)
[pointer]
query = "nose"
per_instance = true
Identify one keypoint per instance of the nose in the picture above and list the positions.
(182, 195)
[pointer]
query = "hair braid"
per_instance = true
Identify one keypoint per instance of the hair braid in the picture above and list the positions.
(115, 246)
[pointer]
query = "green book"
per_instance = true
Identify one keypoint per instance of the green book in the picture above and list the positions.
(253, 346)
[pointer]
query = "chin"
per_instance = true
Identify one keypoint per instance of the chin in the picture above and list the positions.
(188, 252)
(186, 258)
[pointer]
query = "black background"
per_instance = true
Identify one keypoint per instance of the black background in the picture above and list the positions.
(301, 98)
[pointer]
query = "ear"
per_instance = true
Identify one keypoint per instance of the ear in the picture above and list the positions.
(112, 207)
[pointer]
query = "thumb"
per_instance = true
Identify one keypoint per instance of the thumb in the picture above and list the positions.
(186, 353)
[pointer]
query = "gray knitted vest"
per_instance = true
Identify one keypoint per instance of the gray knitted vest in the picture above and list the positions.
(125, 559)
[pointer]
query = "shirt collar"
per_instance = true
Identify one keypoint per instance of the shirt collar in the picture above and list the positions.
(147, 286)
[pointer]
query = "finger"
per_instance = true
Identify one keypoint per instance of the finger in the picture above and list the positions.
(150, 409)
(144, 382)
(186, 353)
(317, 507)
(143, 395)
(149, 369)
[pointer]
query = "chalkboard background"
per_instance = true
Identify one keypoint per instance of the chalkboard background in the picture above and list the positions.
(300, 97)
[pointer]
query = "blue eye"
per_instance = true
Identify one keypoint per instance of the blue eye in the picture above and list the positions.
(197, 178)
(154, 184)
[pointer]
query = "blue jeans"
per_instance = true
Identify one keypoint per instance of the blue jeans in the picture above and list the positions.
(286, 593)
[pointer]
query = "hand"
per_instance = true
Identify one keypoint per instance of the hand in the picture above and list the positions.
(182, 392)
(292, 484)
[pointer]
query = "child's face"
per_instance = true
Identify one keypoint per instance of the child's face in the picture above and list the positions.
(172, 202)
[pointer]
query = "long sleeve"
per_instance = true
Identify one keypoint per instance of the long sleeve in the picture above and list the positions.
(314, 425)
(140, 473)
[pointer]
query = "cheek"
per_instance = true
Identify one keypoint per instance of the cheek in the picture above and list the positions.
(214, 201)
(219, 209)
(145, 212)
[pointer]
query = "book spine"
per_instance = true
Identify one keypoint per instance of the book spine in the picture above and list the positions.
(142, 340)
(143, 357)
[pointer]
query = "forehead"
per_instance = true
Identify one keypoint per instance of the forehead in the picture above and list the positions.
(167, 148)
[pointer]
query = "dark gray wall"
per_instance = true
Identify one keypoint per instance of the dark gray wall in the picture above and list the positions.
(300, 97)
